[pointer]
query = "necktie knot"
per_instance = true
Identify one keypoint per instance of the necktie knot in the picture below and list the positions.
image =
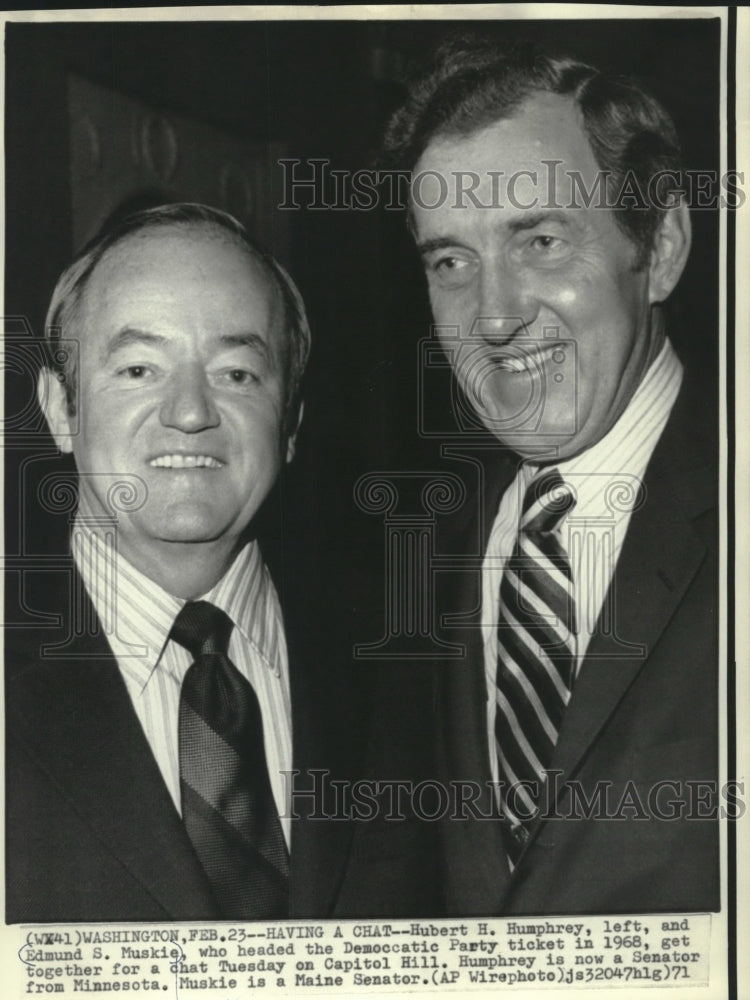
(202, 628)
(547, 501)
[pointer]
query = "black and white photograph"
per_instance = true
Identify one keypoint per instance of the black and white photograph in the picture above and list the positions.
(369, 460)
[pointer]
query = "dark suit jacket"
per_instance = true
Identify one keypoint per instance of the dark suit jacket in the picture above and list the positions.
(91, 831)
(633, 720)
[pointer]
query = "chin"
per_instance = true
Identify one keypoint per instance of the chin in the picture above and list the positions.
(538, 449)
(553, 433)
(538, 445)
(187, 526)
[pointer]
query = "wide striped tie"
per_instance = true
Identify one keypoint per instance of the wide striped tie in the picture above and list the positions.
(536, 654)
(227, 803)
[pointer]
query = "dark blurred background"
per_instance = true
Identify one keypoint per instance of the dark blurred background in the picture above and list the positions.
(103, 116)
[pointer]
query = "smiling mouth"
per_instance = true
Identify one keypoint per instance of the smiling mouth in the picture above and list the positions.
(180, 461)
(522, 361)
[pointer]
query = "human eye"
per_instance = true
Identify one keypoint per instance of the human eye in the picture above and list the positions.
(239, 378)
(546, 249)
(449, 270)
(545, 242)
(135, 372)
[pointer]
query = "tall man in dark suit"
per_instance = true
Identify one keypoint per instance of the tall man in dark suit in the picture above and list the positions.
(547, 207)
(154, 718)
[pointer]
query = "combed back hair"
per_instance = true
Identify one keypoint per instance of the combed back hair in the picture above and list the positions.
(63, 315)
(472, 83)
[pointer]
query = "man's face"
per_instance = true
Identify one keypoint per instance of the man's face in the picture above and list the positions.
(180, 385)
(544, 318)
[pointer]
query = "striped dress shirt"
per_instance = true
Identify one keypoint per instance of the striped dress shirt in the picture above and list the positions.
(137, 617)
(605, 480)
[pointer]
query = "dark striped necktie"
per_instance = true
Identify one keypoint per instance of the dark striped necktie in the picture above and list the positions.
(536, 654)
(227, 803)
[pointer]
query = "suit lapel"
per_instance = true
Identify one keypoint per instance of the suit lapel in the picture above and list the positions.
(660, 556)
(477, 875)
(656, 575)
(80, 725)
(324, 741)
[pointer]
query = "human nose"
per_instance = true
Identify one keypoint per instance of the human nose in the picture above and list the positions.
(188, 405)
(505, 308)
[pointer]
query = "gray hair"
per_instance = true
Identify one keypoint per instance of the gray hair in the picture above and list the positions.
(471, 82)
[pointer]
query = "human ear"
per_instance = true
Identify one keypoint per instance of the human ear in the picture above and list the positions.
(292, 439)
(54, 403)
(670, 252)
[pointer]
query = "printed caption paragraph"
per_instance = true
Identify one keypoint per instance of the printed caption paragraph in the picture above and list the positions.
(227, 962)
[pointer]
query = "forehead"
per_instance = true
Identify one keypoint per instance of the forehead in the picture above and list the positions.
(502, 162)
(188, 275)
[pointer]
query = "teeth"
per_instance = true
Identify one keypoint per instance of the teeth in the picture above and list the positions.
(185, 462)
(520, 363)
(512, 364)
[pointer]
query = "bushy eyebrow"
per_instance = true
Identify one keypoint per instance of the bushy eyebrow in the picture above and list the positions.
(440, 243)
(529, 220)
(132, 335)
(248, 339)
(534, 219)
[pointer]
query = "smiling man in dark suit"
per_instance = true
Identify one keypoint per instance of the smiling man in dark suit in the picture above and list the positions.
(546, 203)
(151, 734)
